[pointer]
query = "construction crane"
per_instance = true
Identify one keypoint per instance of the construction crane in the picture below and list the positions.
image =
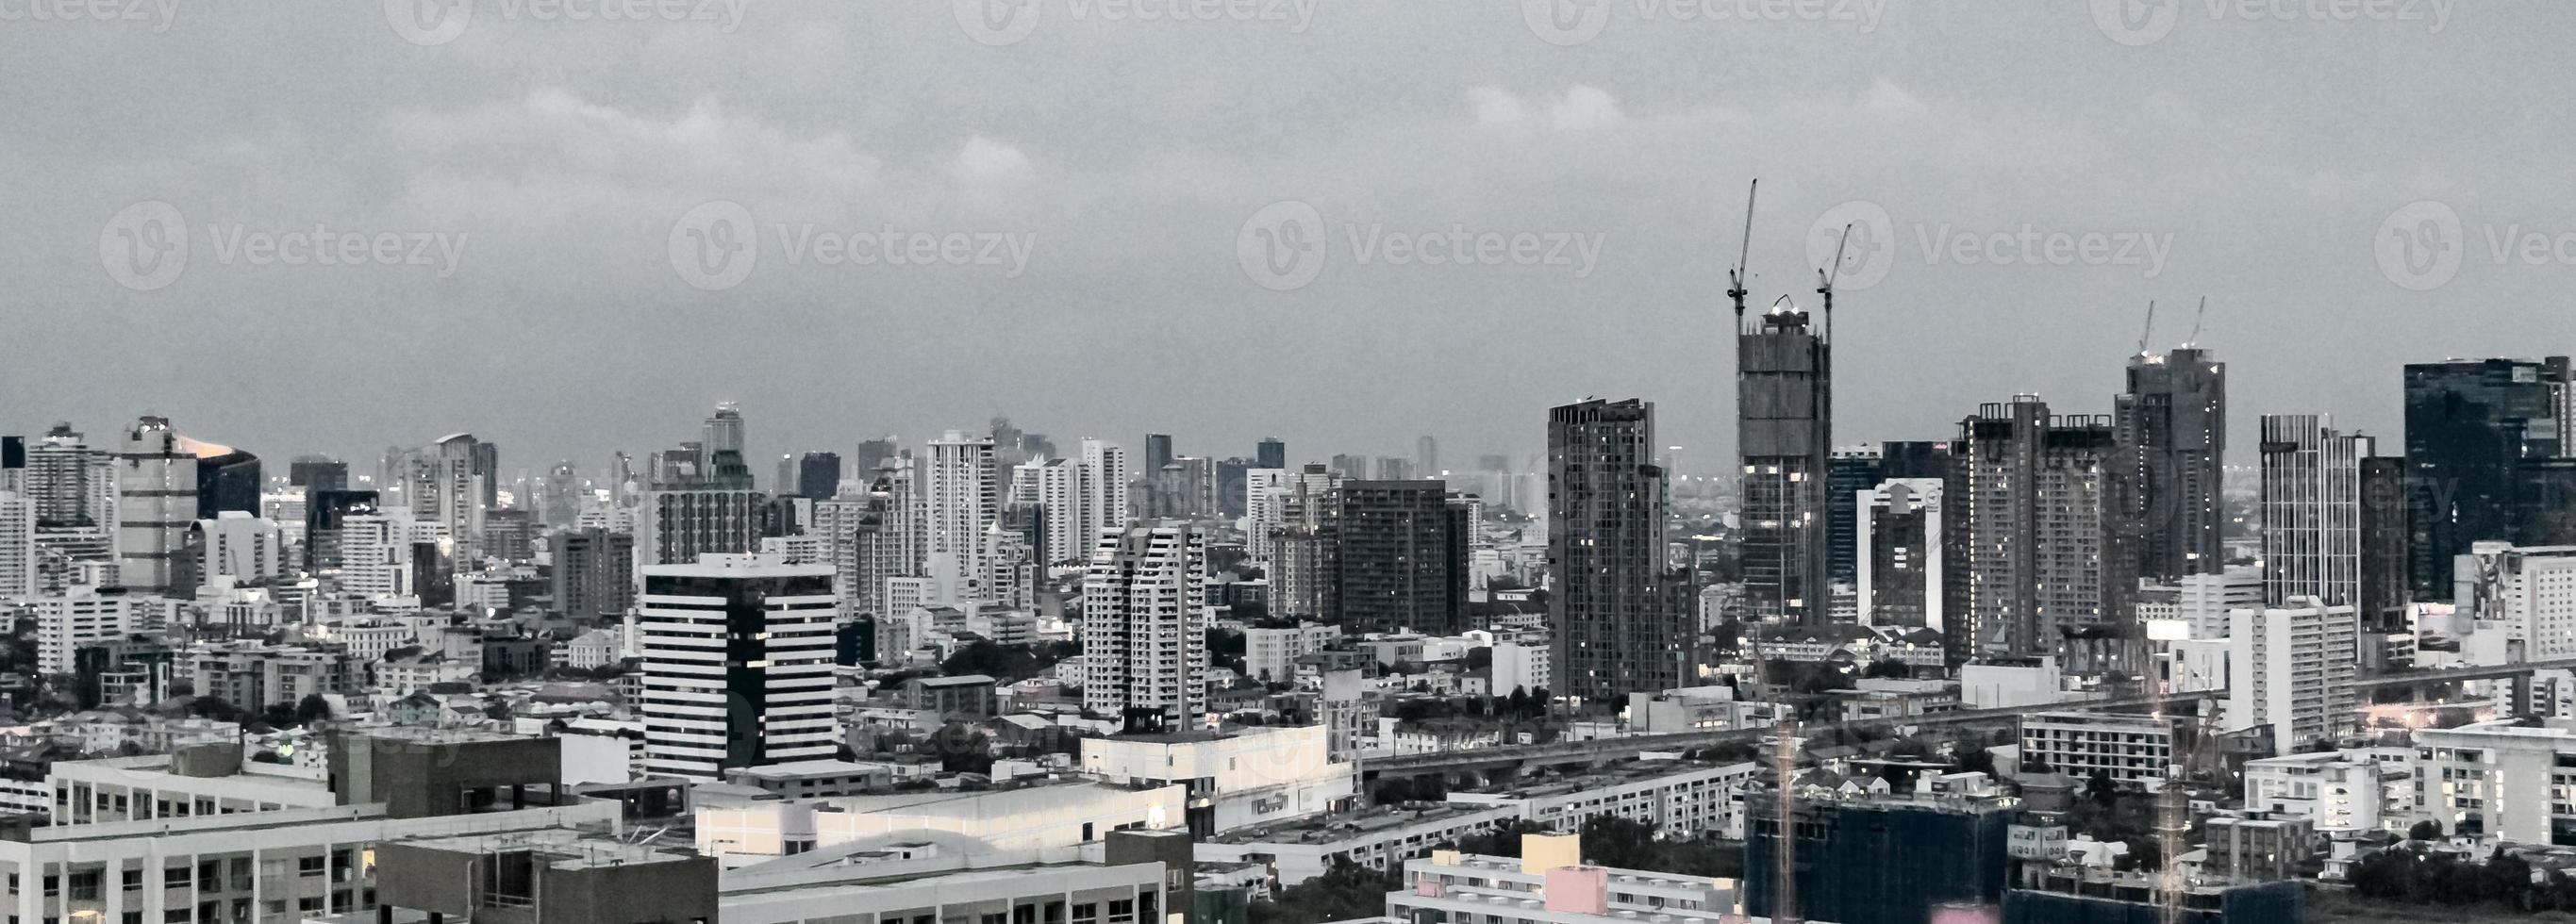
(2196, 318)
(1825, 277)
(1735, 279)
(2151, 327)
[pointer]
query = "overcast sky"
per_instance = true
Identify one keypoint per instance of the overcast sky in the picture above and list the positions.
(543, 202)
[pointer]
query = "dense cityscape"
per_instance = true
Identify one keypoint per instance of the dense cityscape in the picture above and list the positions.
(861, 513)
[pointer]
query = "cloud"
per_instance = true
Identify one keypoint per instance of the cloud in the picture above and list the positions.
(988, 167)
(1580, 109)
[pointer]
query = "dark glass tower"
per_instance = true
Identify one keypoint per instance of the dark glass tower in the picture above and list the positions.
(1621, 624)
(2171, 431)
(2487, 457)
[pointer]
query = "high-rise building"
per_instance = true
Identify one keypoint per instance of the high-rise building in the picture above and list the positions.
(17, 546)
(1054, 486)
(156, 503)
(71, 483)
(1228, 488)
(2311, 510)
(818, 475)
(1784, 431)
(737, 665)
(1851, 471)
(453, 482)
(2029, 494)
(1426, 457)
(2489, 456)
(676, 525)
(961, 497)
(594, 573)
(723, 432)
(1271, 452)
(227, 479)
(2171, 432)
(1158, 452)
(324, 514)
(1104, 490)
(1621, 624)
(1900, 554)
(2530, 592)
(2384, 539)
(1144, 627)
(1398, 557)
(2291, 667)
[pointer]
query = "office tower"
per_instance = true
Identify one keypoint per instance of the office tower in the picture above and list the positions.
(388, 552)
(1426, 457)
(961, 496)
(17, 546)
(1399, 557)
(1394, 468)
(2291, 667)
(453, 482)
(1271, 452)
(1784, 431)
(510, 535)
(1268, 497)
(737, 665)
(872, 455)
(247, 549)
(677, 525)
(324, 515)
(594, 573)
(1054, 486)
(723, 432)
(2028, 494)
(316, 475)
(2489, 456)
(2171, 432)
(2384, 539)
(1185, 488)
(1620, 624)
(818, 475)
(1158, 451)
(1900, 552)
(1104, 488)
(1228, 488)
(156, 503)
(784, 481)
(1888, 859)
(1144, 627)
(1851, 471)
(1301, 547)
(2311, 510)
(227, 479)
(13, 464)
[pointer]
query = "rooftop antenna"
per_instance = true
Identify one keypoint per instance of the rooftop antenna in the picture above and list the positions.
(1825, 280)
(1735, 279)
(2151, 327)
(2195, 322)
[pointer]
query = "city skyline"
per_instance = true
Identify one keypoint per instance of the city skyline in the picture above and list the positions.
(558, 187)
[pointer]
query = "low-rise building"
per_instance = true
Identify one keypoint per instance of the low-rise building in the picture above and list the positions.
(1235, 777)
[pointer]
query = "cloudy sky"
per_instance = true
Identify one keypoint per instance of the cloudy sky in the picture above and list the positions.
(571, 226)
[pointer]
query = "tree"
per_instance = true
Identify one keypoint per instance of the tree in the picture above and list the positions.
(2426, 830)
(2101, 790)
(1888, 668)
(1346, 890)
(214, 707)
(1971, 758)
(312, 708)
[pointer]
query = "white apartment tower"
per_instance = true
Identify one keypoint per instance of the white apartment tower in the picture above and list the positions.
(1104, 490)
(2291, 667)
(2311, 510)
(960, 499)
(1055, 487)
(737, 665)
(17, 546)
(2529, 590)
(1144, 627)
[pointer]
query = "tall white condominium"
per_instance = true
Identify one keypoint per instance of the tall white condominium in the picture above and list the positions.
(962, 495)
(156, 487)
(245, 548)
(378, 550)
(67, 622)
(1104, 489)
(2311, 510)
(737, 665)
(17, 546)
(72, 484)
(2291, 667)
(1266, 496)
(1055, 486)
(453, 482)
(1144, 628)
(2529, 590)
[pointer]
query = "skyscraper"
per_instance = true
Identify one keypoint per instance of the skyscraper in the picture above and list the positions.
(1901, 554)
(723, 431)
(2489, 455)
(1158, 452)
(1784, 431)
(1399, 557)
(1104, 490)
(1426, 457)
(1144, 627)
(594, 572)
(71, 483)
(818, 475)
(17, 546)
(1621, 625)
(2171, 431)
(317, 475)
(1851, 471)
(2312, 494)
(1054, 486)
(961, 497)
(156, 474)
(2030, 493)
(453, 482)
(1270, 453)
(737, 665)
